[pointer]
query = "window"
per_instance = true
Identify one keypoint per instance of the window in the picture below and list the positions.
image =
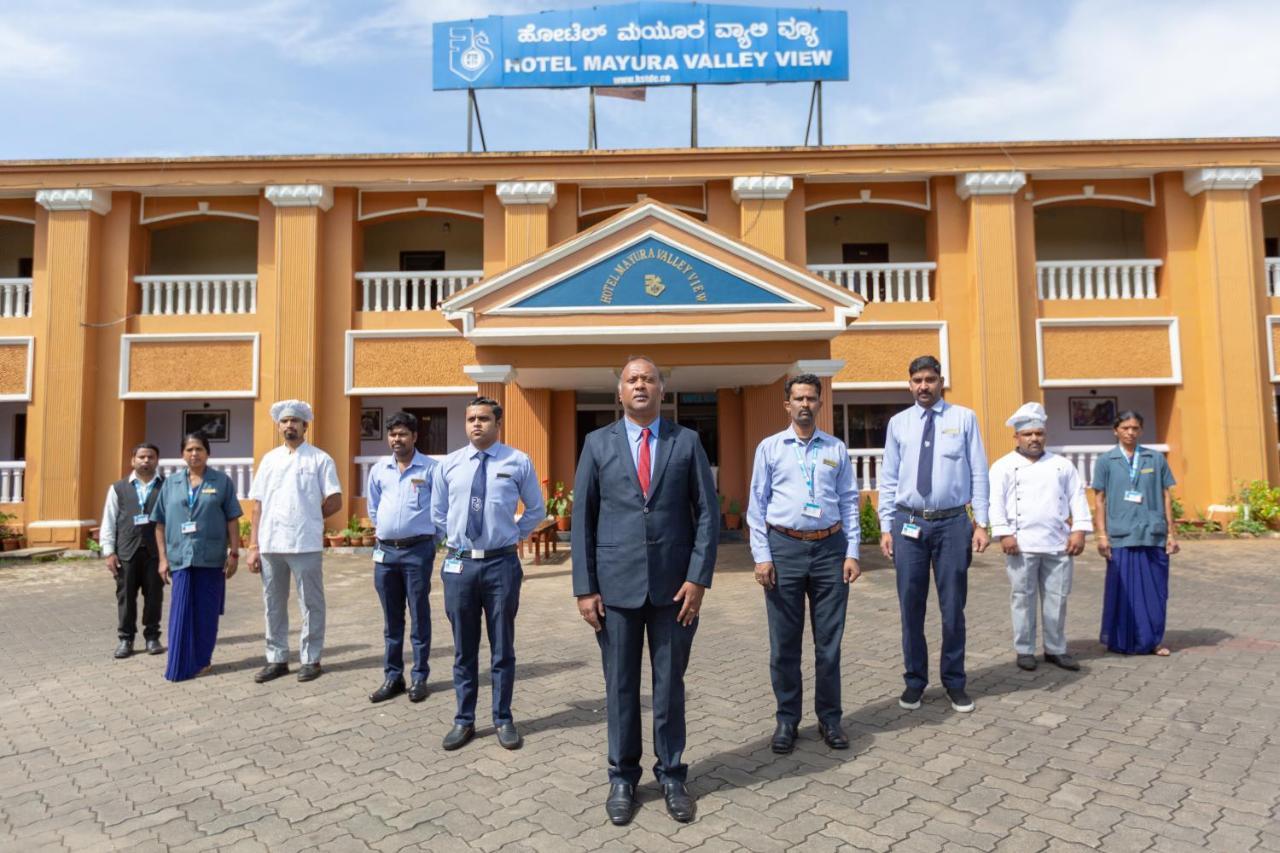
(421, 260)
(19, 436)
(865, 253)
(862, 426)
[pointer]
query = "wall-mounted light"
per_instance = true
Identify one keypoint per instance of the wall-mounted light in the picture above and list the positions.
(446, 227)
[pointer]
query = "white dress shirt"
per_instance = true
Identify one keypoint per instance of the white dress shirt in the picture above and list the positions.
(290, 486)
(1032, 500)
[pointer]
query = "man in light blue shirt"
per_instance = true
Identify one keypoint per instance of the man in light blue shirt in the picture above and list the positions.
(399, 497)
(934, 471)
(473, 499)
(803, 517)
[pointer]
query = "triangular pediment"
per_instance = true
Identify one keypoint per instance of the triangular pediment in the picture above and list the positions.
(651, 272)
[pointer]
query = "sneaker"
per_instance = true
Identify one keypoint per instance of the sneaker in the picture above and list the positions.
(960, 700)
(910, 698)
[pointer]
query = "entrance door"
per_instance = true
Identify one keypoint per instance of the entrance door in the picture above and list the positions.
(698, 411)
(433, 430)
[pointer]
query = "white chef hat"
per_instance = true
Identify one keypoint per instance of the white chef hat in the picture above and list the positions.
(291, 409)
(1028, 416)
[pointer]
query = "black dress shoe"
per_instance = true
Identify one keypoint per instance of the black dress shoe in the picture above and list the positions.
(309, 671)
(124, 649)
(680, 804)
(1028, 662)
(154, 647)
(509, 736)
(418, 691)
(458, 737)
(784, 738)
(834, 736)
(271, 672)
(390, 689)
(621, 803)
(1063, 660)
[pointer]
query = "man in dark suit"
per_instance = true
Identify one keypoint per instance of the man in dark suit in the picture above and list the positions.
(645, 522)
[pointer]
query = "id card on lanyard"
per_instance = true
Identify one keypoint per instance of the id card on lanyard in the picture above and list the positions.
(811, 507)
(193, 496)
(1132, 495)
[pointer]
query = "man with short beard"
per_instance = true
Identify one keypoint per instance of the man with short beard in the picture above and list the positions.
(1034, 493)
(133, 557)
(295, 488)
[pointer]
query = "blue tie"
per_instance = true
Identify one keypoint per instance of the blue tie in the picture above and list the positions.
(475, 508)
(924, 471)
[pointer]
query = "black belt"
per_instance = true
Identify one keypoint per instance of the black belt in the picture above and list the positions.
(406, 543)
(483, 555)
(932, 514)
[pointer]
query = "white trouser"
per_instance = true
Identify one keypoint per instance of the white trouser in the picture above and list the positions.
(307, 571)
(1043, 579)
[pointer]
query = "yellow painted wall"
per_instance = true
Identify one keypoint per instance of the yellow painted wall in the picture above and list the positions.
(1107, 352)
(411, 362)
(882, 355)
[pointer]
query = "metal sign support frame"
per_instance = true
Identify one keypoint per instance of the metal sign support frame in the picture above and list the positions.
(473, 119)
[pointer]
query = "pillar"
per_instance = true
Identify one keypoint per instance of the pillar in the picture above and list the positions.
(527, 228)
(292, 309)
(527, 427)
(997, 313)
(59, 498)
(1218, 422)
(762, 416)
(735, 473)
(762, 200)
(336, 429)
(491, 381)
(564, 437)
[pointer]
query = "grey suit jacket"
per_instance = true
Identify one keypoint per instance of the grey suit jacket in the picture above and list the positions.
(630, 549)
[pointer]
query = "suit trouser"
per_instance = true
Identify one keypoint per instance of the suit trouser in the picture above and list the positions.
(945, 545)
(814, 571)
(488, 588)
(1043, 579)
(307, 570)
(404, 577)
(139, 573)
(621, 643)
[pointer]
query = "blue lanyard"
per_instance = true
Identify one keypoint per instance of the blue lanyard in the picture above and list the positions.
(1133, 465)
(193, 495)
(809, 471)
(143, 492)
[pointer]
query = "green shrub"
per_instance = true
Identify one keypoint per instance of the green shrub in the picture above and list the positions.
(869, 522)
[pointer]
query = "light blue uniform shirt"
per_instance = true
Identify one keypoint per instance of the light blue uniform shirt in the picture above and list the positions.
(400, 501)
(633, 439)
(780, 489)
(510, 479)
(959, 463)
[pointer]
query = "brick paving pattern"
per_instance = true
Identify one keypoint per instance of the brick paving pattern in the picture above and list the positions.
(1131, 754)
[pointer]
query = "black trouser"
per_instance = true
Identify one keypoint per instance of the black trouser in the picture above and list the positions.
(139, 573)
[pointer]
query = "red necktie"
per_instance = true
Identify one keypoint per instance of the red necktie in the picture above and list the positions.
(642, 468)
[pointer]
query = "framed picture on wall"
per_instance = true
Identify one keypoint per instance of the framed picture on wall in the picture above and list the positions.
(1092, 412)
(213, 424)
(371, 424)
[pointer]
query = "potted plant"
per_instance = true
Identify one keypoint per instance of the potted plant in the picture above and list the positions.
(335, 538)
(10, 539)
(368, 537)
(733, 517)
(246, 531)
(558, 506)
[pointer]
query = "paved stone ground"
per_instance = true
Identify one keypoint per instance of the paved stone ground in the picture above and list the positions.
(1130, 754)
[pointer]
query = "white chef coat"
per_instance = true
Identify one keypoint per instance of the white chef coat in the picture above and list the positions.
(1033, 500)
(290, 487)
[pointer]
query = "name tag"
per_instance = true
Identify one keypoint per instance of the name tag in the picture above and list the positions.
(378, 555)
(1148, 470)
(831, 463)
(951, 431)
(142, 518)
(209, 490)
(811, 510)
(452, 566)
(1133, 497)
(188, 528)
(502, 476)
(418, 483)
(911, 530)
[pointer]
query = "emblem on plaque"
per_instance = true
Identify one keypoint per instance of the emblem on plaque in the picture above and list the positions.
(653, 285)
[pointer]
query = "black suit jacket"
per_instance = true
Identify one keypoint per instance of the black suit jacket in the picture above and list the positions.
(630, 549)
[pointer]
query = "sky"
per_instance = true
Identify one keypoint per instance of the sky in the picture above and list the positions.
(104, 78)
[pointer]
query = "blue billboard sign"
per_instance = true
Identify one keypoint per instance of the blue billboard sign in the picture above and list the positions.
(642, 44)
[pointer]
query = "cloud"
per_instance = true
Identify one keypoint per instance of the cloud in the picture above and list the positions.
(22, 58)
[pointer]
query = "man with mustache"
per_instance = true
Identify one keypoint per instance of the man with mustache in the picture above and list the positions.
(1033, 495)
(645, 528)
(803, 517)
(934, 470)
(296, 487)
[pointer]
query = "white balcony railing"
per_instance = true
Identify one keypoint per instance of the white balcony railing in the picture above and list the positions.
(866, 467)
(881, 282)
(1083, 456)
(1273, 277)
(11, 477)
(15, 297)
(367, 462)
(198, 294)
(411, 291)
(239, 470)
(1097, 279)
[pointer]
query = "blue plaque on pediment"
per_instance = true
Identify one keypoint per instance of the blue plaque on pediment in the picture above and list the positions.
(656, 275)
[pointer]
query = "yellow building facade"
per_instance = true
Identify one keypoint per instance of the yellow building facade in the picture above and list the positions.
(143, 298)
